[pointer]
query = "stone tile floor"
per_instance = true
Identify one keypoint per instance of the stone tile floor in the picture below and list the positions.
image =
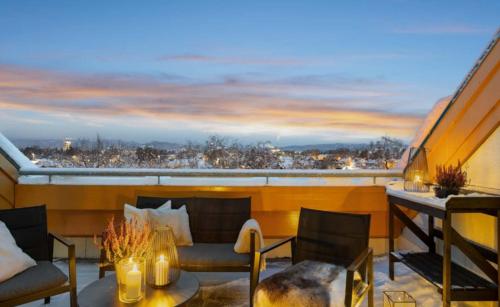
(87, 272)
(422, 291)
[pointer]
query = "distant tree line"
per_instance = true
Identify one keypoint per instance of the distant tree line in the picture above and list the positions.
(216, 152)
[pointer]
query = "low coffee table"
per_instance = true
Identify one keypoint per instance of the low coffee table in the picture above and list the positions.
(103, 292)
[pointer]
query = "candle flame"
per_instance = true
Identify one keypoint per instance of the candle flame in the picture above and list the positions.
(162, 258)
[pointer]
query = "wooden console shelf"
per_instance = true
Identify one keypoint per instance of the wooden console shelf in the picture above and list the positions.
(464, 283)
(453, 281)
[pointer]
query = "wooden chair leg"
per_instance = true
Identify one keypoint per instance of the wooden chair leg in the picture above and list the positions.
(254, 267)
(46, 300)
(254, 276)
(348, 288)
(370, 280)
(73, 298)
(101, 273)
(72, 277)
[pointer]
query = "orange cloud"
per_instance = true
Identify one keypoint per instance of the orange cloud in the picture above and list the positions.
(305, 105)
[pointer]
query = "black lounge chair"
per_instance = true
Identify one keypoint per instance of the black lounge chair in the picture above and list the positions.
(337, 238)
(28, 226)
(215, 224)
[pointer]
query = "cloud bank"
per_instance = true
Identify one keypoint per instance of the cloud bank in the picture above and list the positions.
(321, 107)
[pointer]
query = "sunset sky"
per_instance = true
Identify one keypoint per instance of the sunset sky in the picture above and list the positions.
(292, 72)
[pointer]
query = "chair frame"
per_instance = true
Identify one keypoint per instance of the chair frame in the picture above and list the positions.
(68, 286)
(364, 260)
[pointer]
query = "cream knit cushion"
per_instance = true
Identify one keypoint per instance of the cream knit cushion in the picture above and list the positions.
(12, 259)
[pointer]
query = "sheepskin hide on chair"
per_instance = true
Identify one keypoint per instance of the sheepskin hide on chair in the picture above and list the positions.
(308, 283)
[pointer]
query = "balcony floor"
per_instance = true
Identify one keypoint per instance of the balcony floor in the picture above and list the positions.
(423, 292)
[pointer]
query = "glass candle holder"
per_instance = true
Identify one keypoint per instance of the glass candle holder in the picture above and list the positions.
(162, 261)
(398, 299)
(416, 173)
(415, 182)
(131, 279)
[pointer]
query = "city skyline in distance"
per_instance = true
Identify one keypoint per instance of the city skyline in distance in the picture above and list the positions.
(55, 143)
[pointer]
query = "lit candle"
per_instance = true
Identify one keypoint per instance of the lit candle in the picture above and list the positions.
(133, 283)
(417, 179)
(161, 271)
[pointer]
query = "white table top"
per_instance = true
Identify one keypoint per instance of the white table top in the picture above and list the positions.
(396, 188)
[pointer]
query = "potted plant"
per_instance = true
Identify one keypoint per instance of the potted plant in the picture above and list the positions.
(449, 180)
(126, 245)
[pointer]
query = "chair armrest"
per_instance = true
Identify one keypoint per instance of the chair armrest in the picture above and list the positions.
(276, 245)
(360, 260)
(71, 259)
(365, 258)
(61, 239)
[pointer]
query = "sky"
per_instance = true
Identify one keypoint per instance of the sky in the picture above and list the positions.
(289, 72)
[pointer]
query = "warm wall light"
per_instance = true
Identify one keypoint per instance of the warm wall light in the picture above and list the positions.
(416, 172)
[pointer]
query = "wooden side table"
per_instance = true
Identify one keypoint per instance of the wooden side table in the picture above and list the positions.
(453, 281)
(103, 293)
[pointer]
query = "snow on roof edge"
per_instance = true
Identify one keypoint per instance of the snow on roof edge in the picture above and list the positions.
(457, 93)
(14, 155)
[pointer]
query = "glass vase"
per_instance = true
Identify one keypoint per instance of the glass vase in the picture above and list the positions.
(162, 261)
(398, 299)
(131, 279)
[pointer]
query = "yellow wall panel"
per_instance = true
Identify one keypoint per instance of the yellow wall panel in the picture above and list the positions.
(5, 204)
(83, 210)
(7, 188)
(483, 167)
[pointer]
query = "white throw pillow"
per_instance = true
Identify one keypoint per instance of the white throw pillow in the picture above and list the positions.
(141, 215)
(177, 219)
(12, 259)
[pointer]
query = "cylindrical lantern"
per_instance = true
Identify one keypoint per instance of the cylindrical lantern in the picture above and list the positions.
(416, 177)
(131, 276)
(163, 263)
(398, 299)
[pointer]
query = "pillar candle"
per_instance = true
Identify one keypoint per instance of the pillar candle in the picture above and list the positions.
(161, 271)
(133, 283)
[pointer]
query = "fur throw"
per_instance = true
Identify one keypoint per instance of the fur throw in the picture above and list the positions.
(308, 283)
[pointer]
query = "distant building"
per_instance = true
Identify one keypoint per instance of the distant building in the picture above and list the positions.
(67, 145)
